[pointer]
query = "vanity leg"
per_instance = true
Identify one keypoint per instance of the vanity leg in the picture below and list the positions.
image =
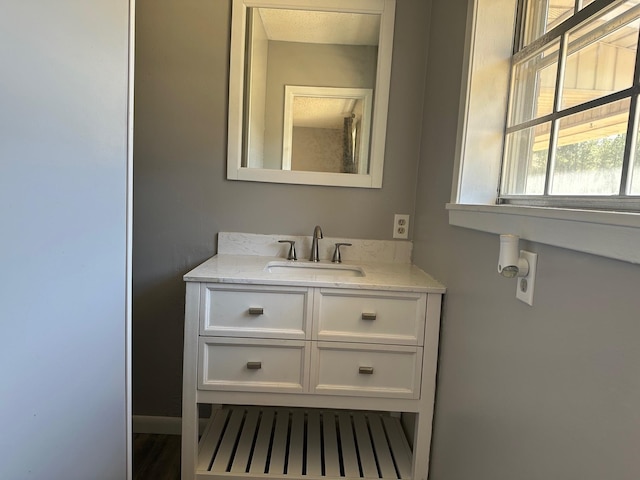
(189, 369)
(189, 440)
(424, 418)
(421, 446)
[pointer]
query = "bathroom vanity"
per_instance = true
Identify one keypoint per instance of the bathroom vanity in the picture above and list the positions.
(313, 370)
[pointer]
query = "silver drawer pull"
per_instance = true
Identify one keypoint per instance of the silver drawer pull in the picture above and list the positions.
(256, 311)
(365, 370)
(368, 316)
(254, 365)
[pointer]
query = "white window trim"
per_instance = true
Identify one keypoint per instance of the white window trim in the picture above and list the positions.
(479, 148)
(609, 234)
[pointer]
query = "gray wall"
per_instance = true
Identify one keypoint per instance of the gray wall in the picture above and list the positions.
(544, 392)
(63, 177)
(182, 198)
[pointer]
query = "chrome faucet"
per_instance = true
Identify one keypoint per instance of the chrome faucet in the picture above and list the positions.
(337, 258)
(317, 234)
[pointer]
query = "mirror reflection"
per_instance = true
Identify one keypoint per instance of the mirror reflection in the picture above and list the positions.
(326, 129)
(308, 89)
(304, 71)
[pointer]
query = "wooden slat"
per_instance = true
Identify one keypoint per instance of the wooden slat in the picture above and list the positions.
(296, 444)
(314, 446)
(372, 445)
(331, 457)
(365, 449)
(241, 458)
(247, 476)
(399, 447)
(259, 459)
(279, 448)
(221, 462)
(381, 446)
(211, 438)
(349, 456)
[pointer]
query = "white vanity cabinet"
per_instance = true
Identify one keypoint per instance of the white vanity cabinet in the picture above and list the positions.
(309, 378)
(255, 311)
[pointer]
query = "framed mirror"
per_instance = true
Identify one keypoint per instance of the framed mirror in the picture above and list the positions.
(309, 90)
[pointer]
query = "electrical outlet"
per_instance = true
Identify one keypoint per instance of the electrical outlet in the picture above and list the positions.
(400, 226)
(525, 285)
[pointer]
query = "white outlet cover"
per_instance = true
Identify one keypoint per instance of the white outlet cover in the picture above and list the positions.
(526, 285)
(400, 226)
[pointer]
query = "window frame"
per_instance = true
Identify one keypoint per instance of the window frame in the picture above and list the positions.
(478, 156)
(622, 200)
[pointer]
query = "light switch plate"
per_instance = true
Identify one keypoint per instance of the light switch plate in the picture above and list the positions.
(525, 285)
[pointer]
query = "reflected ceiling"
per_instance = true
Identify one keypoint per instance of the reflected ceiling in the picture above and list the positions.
(320, 27)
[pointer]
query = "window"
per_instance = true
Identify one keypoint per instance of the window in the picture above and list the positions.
(524, 94)
(570, 137)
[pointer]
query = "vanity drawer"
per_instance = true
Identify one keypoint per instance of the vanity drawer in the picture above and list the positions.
(255, 311)
(371, 317)
(366, 370)
(253, 365)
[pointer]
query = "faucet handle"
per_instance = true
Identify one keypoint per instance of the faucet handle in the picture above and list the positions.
(336, 253)
(292, 249)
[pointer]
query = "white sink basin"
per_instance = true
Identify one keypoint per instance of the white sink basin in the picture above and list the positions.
(314, 269)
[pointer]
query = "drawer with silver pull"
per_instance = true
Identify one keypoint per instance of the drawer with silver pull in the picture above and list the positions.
(369, 316)
(366, 370)
(236, 364)
(255, 311)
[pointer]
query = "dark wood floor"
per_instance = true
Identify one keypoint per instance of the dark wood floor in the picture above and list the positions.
(156, 457)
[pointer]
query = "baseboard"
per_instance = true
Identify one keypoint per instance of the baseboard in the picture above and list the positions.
(160, 425)
(157, 425)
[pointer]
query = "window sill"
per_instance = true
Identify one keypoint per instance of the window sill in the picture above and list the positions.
(609, 234)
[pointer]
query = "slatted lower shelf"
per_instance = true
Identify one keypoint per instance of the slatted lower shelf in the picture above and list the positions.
(278, 443)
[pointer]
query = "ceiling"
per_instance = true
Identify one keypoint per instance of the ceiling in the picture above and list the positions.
(306, 26)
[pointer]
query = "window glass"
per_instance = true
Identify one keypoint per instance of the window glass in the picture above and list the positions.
(590, 151)
(635, 182)
(566, 136)
(534, 82)
(601, 57)
(635, 170)
(542, 15)
(527, 175)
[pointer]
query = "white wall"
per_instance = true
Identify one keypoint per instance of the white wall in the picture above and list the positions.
(63, 193)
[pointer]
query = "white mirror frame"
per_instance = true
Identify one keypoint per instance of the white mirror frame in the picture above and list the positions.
(293, 91)
(235, 170)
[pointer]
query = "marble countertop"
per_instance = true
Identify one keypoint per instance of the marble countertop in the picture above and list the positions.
(253, 269)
